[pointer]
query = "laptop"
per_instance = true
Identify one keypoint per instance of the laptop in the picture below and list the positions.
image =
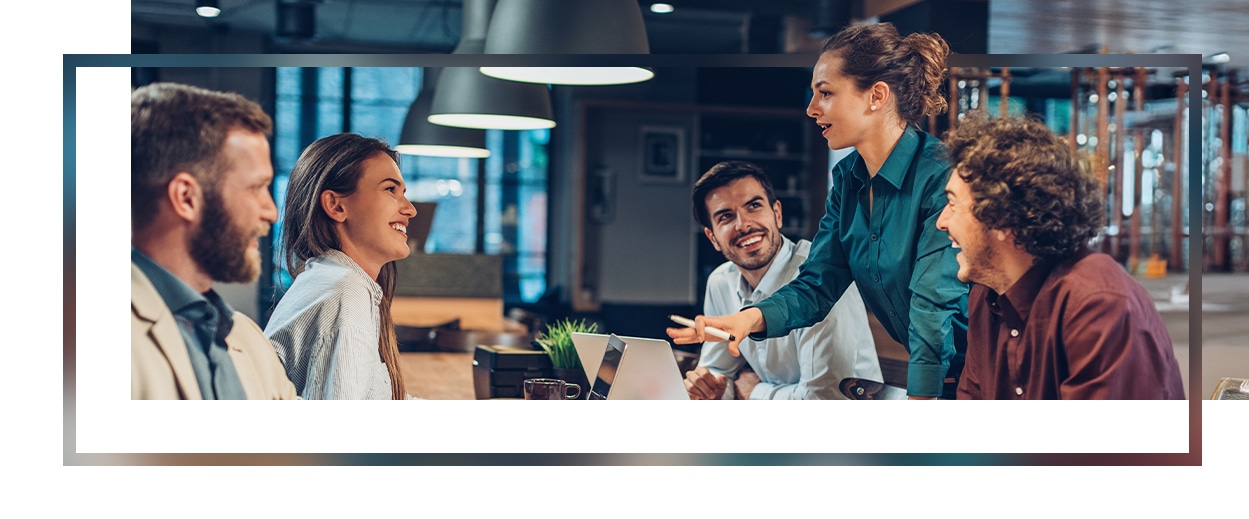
(629, 368)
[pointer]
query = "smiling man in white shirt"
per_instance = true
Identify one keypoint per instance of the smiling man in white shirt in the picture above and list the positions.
(740, 214)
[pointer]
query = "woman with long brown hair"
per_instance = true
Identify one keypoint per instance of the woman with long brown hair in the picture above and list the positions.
(345, 226)
(871, 88)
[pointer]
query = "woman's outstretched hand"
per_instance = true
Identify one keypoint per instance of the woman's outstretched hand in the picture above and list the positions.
(738, 325)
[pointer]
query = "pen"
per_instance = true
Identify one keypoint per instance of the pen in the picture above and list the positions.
(711, 330)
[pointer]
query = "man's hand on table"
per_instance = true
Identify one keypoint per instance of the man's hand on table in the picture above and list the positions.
(702, 384)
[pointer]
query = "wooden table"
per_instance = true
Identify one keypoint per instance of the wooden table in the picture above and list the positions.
(449, 376)
(438, 376)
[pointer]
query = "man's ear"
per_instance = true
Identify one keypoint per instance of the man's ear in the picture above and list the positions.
(185, 196)
(332, 204)
(1008, 236)
(776, 208)
(711, 236)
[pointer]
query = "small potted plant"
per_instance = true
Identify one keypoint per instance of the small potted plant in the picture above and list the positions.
(556, 340)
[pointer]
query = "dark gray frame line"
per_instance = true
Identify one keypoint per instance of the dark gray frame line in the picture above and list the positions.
(1191, 62)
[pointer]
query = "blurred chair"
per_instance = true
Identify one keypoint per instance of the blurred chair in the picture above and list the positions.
(1230, 388)
(421, 338)
(466, 341)
(414, 338)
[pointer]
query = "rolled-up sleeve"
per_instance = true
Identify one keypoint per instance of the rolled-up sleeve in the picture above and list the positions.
(938, 306)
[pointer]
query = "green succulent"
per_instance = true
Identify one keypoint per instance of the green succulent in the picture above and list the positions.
(556, 340)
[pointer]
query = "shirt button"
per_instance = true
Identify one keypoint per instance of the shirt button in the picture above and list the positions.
(1019, 391)
(1015, 333)
(875, 277)
(873, 237)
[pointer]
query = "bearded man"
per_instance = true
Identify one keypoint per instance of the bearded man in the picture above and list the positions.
(1048, 318)
(740, 214)
(199, 186)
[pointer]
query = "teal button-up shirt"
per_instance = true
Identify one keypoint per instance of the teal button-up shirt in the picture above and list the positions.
(904, 266)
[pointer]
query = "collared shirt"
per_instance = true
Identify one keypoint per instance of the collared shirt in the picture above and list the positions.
(1080, 328)
(326, 330)
(204, 320)
(903, 265)
(808, 363)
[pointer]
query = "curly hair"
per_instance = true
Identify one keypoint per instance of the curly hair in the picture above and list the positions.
(913, 67)
(1026, 180)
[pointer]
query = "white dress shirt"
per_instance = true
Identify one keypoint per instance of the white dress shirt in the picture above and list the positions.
(809, 363)
(326, 329)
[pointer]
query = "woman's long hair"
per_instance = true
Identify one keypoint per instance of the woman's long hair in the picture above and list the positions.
(336, 163)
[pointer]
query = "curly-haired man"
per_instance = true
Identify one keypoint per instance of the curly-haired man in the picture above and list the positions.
(1048, 318)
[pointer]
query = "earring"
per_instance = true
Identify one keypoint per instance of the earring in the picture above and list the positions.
(873, 108)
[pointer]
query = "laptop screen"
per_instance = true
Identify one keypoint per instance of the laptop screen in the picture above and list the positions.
(607, 369)
(629, 368)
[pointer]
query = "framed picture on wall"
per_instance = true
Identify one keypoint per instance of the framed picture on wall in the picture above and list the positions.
(663, 154)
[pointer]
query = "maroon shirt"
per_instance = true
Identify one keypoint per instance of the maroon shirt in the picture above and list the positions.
(1080, 328)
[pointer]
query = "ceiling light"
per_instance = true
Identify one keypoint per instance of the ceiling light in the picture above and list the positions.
(421, 137)
(1220, 57)
(207, 8)
(469, 99)
(659, 8)
(568, 27)
(434, 150)
(578, 76)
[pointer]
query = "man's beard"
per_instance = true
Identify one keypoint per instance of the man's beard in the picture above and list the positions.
(223, 249)
(983, 263)
(761, 259)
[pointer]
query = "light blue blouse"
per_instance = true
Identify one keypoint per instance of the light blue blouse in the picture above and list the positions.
(326, 330)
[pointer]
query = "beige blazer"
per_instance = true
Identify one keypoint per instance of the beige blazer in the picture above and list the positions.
(160, 367)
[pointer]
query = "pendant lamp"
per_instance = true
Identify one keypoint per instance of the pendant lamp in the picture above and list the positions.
(469, 99)
(568, 27)
(421, 137)
(207, 8)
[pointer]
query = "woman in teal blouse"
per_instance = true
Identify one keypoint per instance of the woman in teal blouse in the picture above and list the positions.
(871, 88)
